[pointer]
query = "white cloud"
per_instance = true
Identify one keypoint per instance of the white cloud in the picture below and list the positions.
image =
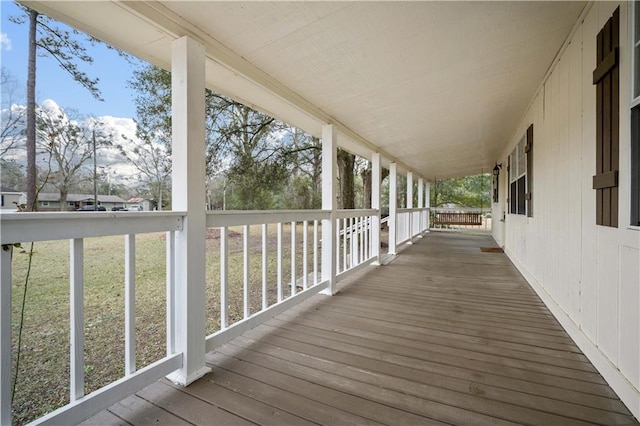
(5, 42)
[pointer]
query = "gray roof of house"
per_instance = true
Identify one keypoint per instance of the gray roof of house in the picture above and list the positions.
(54, 196)
(6, 189)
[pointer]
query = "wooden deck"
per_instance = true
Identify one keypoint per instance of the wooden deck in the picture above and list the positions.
(444, 334)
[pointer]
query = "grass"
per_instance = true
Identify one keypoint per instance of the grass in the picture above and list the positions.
(43, 378)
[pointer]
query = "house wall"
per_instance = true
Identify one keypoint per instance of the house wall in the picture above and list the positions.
(8, 200)
(588, 275)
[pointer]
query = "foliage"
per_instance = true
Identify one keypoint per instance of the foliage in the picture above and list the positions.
(305, 184)
(11, 175)
(255, 153)
(468, 191)
(65, 46)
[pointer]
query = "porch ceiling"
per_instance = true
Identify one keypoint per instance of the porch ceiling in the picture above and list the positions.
(436, 86)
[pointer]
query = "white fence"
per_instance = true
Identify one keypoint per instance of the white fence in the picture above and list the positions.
(356, 244)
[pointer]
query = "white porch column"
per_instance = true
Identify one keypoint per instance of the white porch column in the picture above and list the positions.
(410, 205)
(375, 204)
(329, 185)
(5, 335)
(188, 180)
(409, 190)
(420, 205)
(393, 206)
(427, 203)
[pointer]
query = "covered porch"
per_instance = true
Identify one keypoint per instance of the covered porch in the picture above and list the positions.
(446, 333)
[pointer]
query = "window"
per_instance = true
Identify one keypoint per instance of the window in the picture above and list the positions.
(2, 200)
(607, 81)
(520, 171)
(635, 122)
(44, 203)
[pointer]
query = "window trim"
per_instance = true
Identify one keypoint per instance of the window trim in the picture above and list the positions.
(634, 133)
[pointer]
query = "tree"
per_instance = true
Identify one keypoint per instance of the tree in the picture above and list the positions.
(256, 154)
(468, 191)
(68, 144)
(151, 153)
(153, 163)
(152, 157)
(346, 170)
(51, 40)
(304, 188)
(367, 180)
(12, 118)
(11, 175)
(258, 166)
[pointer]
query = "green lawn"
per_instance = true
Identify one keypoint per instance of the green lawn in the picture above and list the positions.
(43, 380)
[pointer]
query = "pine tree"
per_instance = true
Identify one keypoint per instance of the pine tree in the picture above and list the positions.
(47, 38)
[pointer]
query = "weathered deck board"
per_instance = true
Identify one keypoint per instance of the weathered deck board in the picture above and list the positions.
(444, 334)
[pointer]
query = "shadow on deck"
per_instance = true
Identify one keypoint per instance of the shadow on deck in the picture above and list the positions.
(444, 334)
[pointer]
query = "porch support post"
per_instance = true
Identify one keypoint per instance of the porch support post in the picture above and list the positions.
(420, 205)
(409, 190)
(393, 206)
(329, 185)
(375, 204)
(188, 180)
(410, 205)
(427, 203)
(6, 253)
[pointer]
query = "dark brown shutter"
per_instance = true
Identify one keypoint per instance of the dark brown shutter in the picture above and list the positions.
(606, 79)
(512, 194)
(529, 150)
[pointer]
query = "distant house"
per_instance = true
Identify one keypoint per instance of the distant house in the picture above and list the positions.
(147, 205)
(10, 199)
(50, 201)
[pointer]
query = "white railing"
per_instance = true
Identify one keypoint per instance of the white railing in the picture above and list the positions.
(34, 227)
(302, 282)
(303, 276)
(290, 240)
(411, 223)
(354, 236)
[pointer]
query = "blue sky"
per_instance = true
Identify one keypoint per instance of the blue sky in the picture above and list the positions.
(55, 83)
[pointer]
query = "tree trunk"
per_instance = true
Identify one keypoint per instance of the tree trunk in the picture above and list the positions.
(366, 187)
(64, 193)
(346, 164)
(31, 114)
(367, 184)
(316, 200)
